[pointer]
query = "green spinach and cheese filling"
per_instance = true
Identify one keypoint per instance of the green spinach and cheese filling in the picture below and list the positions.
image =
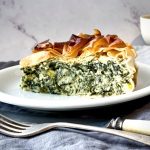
(94, 77)
(93, 65)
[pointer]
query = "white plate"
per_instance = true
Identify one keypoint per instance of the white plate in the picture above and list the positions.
(11, 93)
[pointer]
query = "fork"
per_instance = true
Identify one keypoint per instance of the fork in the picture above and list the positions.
(20, 130)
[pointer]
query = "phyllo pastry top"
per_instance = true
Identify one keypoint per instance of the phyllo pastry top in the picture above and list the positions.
(80, 47)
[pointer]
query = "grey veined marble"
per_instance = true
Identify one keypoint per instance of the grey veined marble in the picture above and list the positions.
(25, 22)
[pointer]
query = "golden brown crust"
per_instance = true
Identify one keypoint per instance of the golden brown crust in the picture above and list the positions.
(80, 46)
(35, 58)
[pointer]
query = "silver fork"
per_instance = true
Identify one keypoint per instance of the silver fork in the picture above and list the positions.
(16, 129)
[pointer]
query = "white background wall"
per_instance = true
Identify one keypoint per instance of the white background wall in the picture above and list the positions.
(24, 22)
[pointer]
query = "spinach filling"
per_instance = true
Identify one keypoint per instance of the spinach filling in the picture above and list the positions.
(88, 78)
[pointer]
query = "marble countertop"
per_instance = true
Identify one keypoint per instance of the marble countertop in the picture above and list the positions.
(24, 23)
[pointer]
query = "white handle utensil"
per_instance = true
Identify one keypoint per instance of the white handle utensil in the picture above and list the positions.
(136, 126)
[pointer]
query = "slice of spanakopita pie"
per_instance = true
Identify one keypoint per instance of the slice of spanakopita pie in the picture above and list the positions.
(84, 65)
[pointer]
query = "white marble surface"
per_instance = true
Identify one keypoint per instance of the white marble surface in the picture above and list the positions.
(25, 22)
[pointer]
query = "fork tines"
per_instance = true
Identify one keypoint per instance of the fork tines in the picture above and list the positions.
(8, 125)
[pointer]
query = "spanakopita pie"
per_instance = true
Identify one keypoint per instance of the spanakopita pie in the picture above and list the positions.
(84, 65)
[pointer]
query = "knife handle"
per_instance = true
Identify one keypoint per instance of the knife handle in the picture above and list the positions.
(130, 125)
(137, 126)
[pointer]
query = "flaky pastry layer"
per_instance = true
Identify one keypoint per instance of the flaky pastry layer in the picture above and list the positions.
(79, 47)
